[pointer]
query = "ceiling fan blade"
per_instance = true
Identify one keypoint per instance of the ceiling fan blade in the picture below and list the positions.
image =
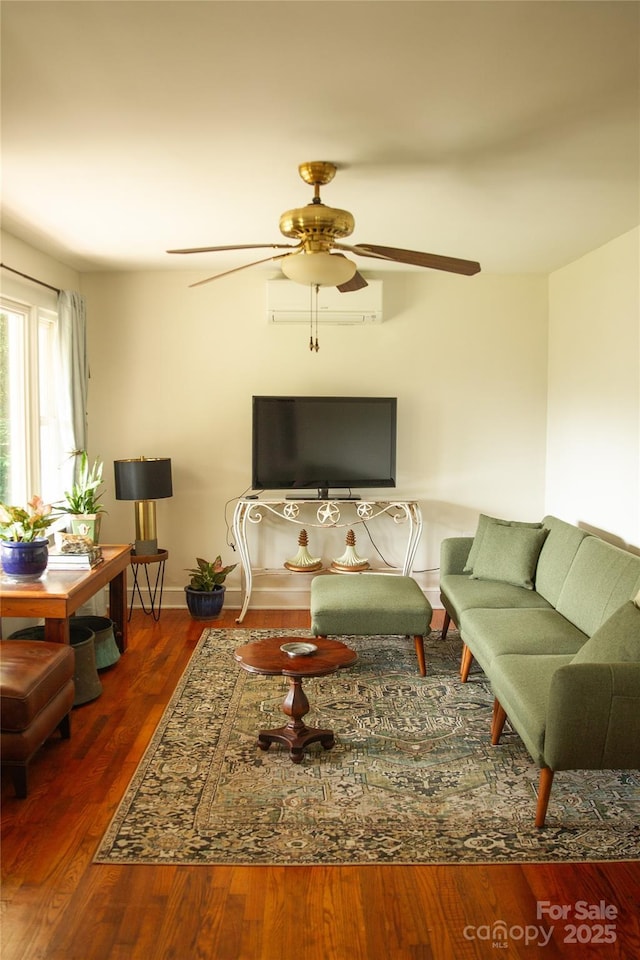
(357, 282)
(245, 266)
(242, 246)
(432, 261)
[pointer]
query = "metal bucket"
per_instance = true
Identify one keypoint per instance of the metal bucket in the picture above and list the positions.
(105, 645)
(86, 680)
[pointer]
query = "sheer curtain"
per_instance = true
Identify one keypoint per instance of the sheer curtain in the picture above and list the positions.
(74, 379)
(73, 390)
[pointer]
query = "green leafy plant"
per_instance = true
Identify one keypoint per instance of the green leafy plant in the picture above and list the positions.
(19, 524)
(83, 498)
(207, 576)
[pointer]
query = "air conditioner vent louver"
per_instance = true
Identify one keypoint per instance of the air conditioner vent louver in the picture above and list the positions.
(289, 302)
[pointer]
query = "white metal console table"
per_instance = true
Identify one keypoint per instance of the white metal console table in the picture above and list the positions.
(321, 513)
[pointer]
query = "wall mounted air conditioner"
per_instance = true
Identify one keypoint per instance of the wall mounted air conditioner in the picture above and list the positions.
(289, 302)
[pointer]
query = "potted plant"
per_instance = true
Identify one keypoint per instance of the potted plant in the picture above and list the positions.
(205, 591)
(82, 501)
(24, 545)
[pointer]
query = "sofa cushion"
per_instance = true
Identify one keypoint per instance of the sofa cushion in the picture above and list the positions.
(522, 683)
(484, 522)
(602, 577)
(509, 553)
(557, 554)
(617, 640)
(494, 633)
(459, 592)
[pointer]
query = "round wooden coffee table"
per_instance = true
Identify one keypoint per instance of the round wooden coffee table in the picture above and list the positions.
(266, 657)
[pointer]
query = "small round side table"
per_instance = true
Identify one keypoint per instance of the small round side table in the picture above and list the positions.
(266, 657)
(155, 591)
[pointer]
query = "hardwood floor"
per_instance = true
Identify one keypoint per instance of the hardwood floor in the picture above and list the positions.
(58, 905)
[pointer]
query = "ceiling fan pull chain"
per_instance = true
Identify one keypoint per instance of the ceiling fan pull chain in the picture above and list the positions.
(310, 317)
(313, 288)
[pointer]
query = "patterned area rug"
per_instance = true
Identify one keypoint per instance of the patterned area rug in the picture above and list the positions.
(412, 778)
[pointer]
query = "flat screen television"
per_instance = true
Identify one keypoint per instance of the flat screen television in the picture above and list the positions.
(324, 443)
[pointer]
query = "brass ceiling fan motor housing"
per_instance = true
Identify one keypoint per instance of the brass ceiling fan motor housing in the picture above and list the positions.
(317, 225)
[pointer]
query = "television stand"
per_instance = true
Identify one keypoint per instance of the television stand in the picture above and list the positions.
(317, 513)
(321, 495)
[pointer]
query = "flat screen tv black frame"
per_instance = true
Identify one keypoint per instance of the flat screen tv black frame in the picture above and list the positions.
(323, 443)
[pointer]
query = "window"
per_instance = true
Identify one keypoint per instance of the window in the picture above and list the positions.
(30, 447)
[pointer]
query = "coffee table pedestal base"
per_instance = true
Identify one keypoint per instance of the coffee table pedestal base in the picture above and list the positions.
(296, 740)
(296, 735)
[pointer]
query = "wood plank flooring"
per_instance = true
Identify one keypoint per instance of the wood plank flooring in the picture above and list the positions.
(58, 905)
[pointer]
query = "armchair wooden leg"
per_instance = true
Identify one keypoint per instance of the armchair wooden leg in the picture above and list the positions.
(65, 727)
(465, 663)
(19, 774)
(544, 790)
(419, 645)
(445, 625)
(497, 722)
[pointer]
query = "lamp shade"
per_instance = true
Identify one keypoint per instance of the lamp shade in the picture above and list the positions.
(318, 269)
(143, 479)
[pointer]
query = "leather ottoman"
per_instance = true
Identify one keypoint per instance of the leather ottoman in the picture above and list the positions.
(36, 697)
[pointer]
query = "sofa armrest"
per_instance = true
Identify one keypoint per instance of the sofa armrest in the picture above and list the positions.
(593, 717)
(453, 554)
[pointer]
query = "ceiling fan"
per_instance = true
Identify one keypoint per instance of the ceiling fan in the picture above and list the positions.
(318, 259)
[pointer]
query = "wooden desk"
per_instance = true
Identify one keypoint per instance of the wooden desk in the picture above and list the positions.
(60, 592)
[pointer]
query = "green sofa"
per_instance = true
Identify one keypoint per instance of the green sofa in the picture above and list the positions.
(547, 611)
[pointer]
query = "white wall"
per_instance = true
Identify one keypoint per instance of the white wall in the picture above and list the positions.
(470, 359)
(173, 371)
(593, 447)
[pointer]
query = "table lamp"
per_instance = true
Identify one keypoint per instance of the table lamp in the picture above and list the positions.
(144, 480)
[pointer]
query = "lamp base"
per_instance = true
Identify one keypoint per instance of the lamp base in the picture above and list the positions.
(145, 548)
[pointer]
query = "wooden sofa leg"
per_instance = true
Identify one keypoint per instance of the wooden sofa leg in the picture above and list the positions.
(419, 645)
(497, 722)
(445, 625)
(465, 663)
(544, 791)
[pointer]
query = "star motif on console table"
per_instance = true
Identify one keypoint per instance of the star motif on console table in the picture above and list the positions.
(328, 513)
(291, 510)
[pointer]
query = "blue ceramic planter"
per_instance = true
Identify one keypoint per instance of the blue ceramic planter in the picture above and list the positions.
(204, 604)
(24, 561)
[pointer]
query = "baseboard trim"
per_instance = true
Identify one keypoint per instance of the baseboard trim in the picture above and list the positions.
(265, 597)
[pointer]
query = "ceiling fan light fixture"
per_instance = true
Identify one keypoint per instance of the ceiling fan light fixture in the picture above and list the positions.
(318, 269)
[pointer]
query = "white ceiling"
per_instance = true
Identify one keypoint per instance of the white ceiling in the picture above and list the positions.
(504, 132)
